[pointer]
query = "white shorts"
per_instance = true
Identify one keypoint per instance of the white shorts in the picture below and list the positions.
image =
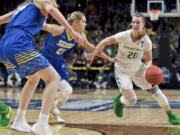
(126, 75)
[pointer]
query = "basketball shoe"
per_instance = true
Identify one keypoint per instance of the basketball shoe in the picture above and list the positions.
(173, 119)
(56, 113)
(21, 125)
(42, 129)
(118, 106)
(6, 112)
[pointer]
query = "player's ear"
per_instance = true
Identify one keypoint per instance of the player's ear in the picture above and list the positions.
(130, 26)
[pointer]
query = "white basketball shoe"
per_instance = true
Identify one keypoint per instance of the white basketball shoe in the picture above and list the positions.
(42, 129)
(21, 125)
(56, 113)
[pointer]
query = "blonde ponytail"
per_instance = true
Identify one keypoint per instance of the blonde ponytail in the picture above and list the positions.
(75, 16)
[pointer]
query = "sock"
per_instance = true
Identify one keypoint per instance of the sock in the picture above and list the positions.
(130, 101)
(43, 118)
(20, 115)
(123, 100)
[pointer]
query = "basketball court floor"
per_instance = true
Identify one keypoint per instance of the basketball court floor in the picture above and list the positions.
(90, 112)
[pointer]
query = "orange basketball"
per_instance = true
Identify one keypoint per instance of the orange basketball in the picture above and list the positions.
(154, 75)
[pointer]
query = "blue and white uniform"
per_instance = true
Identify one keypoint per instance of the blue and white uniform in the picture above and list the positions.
(17, 46)
(54, 49)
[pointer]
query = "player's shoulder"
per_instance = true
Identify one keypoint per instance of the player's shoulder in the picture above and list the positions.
(123, 34)
(126, 32)
(147, 38)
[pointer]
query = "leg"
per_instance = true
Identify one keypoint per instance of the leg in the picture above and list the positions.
(159, 96)
(65, 90)
(127, 95)
(28, 90)
(51, 78)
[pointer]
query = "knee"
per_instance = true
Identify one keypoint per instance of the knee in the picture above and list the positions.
(68, 90)
(132, 100)
(64, 93)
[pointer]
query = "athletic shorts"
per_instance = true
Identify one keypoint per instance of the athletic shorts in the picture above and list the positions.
(126, 75)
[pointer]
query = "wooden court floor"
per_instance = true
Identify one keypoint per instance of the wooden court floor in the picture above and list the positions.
(89, 112)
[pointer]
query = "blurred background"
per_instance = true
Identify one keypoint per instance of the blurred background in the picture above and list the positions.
(105, 18)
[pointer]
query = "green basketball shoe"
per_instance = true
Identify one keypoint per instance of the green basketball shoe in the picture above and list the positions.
(5, 117)
(173, 119)
(118, 106)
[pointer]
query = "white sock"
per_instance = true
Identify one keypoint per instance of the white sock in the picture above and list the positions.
(21, 114)
(123, 100)
(43, 118)
(161, 98)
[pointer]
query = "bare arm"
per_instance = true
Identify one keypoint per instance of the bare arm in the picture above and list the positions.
(53, 29)
(56, 14)
(148, 58)
(6, 17)
(107, 41)
(90, 47)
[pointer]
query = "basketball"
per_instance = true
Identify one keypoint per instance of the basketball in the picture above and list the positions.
(154, 75)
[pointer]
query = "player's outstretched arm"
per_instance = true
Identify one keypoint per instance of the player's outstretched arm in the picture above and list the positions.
(107, 41)
(54, 29)
(6, 17)
(90, 47)
(57, 15)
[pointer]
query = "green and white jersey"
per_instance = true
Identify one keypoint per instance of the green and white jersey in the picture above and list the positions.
(132, 52)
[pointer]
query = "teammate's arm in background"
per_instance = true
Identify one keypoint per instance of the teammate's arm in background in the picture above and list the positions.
(54, 29)
(6, 17)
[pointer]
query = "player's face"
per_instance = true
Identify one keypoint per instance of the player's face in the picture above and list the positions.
(81, 24)
(137, 24)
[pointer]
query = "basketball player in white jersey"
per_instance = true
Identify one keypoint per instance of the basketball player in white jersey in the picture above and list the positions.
(133, 45)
